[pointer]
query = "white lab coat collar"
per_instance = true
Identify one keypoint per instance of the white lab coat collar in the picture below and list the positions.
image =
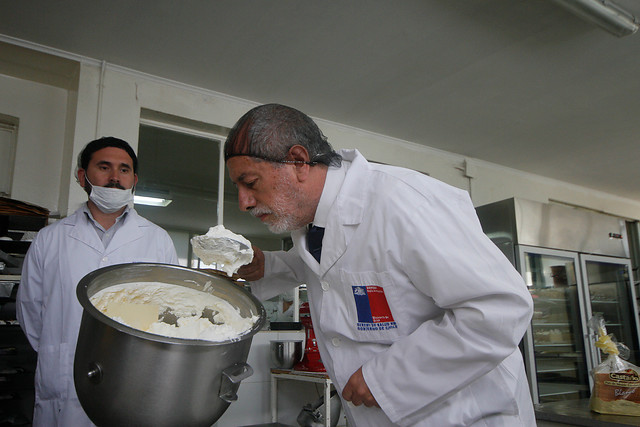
(333, 182)
(348, 200)
(127, 233)
(87, 211)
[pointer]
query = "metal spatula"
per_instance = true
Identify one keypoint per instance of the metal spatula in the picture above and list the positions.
(229, 240)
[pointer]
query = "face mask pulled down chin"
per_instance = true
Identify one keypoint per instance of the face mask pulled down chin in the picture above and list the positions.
(110, 200)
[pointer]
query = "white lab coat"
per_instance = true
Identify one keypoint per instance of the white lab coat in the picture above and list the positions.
(49, 311)
(410, 288)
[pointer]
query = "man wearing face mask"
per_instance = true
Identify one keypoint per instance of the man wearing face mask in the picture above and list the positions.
(104, 231)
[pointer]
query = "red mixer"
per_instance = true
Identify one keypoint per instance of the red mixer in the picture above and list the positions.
(311, 360)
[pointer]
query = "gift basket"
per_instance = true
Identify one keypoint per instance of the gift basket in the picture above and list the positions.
(616, 387)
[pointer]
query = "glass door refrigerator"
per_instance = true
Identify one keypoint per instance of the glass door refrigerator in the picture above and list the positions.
(609, 292)
(556, 343)
(576, 264)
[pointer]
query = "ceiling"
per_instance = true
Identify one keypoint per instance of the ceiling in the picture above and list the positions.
(520, 83)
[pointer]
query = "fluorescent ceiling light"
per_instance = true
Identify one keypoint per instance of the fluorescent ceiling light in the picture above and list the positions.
(605, 14)
(151, 201)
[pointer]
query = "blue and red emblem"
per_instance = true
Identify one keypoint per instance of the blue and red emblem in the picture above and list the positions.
(373, 309)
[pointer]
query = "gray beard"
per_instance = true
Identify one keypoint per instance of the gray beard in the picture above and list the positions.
(283, 222)
(283, 226)
(286, 220)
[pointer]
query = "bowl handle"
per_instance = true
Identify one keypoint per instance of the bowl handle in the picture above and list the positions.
(231, 378)
(94, 373)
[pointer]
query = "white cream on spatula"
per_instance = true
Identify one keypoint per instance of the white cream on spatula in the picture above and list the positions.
(229, 251)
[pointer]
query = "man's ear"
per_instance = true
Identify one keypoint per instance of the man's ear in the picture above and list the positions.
(81, 177)
(300, 155)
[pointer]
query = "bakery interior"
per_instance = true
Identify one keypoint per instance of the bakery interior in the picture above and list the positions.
(531, 106)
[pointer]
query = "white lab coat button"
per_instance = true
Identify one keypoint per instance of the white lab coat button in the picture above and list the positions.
(324, 285)
(335, 342)
(105, 259)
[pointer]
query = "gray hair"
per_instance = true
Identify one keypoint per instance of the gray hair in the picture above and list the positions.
(268, 131)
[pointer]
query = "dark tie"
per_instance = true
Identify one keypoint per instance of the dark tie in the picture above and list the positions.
(314, 241)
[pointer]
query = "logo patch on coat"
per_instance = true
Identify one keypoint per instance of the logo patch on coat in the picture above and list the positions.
(373, 309)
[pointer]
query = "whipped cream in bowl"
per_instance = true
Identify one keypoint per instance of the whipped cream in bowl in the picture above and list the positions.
(141, 305)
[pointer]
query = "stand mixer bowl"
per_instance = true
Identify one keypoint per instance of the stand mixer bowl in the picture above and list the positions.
(286, 353)
(128, 377)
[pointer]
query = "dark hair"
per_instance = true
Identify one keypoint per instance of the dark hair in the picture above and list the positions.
(107, 141)
(268, 132)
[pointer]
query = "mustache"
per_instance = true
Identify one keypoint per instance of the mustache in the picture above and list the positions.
(115, 185)
(257, 211)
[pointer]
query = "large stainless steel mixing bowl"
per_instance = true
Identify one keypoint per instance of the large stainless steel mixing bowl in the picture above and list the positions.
(127, 377)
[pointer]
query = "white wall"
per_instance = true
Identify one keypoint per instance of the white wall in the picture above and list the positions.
(41, 110)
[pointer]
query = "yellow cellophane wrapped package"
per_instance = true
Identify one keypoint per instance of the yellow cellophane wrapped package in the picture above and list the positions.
(616, 387)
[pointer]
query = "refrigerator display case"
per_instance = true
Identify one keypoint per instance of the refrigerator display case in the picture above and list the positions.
(576, 264)
(609, 292)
